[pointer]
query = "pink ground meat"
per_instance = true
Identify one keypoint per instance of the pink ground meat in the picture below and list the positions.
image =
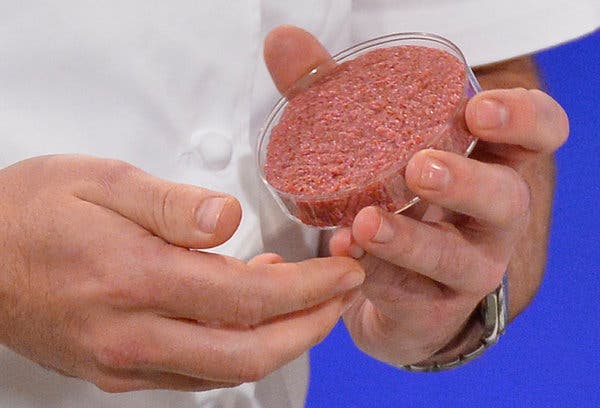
(343, 143)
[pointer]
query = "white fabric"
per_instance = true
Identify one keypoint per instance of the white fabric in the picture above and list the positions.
(486, 30)
(178, 88)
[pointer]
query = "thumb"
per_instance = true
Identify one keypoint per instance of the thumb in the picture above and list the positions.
(290, 53)
(183, 215)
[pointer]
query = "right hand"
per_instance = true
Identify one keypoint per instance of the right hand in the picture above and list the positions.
(96, 281)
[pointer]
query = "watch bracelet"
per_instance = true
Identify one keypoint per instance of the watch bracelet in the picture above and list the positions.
(493, 311)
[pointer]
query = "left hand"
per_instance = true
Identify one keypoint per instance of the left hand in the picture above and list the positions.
(428, 268)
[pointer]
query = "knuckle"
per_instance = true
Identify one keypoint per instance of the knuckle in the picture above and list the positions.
(404, 248)
(147, 278)
(248, 309)
(519, 205)
(305, 289)
(165, 200)
(119, 296)
(120, 354)
(113, 173)
(248, 305)
(134, 280)
(448, 262)
(306, 292)
(130, 292)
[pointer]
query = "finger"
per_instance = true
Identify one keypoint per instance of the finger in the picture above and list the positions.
(148, 274)
(219, 290)
(341, 244)
(439, 252)
(218, 354)
(496, 195)
(267, 258)
(183, 215)
(527, 118)
(409, 329)
(290, 53)
(137, 380)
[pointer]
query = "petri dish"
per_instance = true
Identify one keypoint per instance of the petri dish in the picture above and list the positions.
(342, 137)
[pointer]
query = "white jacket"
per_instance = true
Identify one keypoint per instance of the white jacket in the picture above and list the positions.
(178, 88)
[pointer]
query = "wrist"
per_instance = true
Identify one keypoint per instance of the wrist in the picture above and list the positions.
(467, 339)
(481, 331)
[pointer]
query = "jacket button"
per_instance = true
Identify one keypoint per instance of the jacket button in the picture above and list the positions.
(212, 149)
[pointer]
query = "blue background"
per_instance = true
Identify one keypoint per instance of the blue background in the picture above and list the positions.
(550, 356)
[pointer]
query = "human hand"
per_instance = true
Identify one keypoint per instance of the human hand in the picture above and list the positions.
(428, 268)
(96, 281)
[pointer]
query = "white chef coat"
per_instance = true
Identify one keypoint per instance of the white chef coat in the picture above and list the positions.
(178, 89)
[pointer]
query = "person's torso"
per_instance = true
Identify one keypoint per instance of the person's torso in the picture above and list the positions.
(176, 88)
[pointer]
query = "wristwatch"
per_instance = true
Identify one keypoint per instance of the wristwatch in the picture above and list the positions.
(493, 314)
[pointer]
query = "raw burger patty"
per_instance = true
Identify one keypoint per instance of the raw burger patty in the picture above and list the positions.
(363, 120)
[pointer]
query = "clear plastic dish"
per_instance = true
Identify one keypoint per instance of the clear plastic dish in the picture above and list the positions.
(385, 186)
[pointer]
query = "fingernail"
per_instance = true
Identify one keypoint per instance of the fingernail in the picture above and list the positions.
(350, 281)
(355, 251)
(384, 233)
(207, 215)
(490, 114)
(434, 175)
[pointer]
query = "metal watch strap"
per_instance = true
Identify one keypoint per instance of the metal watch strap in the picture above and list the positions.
(493, 310)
